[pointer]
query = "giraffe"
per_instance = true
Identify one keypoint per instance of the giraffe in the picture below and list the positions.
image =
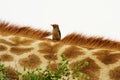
(22, 46)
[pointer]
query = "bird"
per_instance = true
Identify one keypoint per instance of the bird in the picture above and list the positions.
(56, 34)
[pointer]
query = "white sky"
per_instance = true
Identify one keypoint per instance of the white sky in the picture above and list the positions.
(89, 17)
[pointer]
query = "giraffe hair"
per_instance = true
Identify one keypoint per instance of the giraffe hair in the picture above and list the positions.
(25, 31)
(73, 38)
(91, 42)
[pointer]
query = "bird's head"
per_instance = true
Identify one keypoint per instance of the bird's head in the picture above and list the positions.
(55, 25)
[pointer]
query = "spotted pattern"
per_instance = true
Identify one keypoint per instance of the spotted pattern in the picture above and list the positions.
(106, 57)
(18, 41)
(53, 66)
(115, 73)
(6, 58)
(93, 70)
(32, 61)
(50, 57)
(11, 73)
(3, 48)
(49, 51)
(47, 48)
(7, 42)
(19, 50)
(73, 52)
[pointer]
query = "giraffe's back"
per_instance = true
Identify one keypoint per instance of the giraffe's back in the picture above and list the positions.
(18, 52)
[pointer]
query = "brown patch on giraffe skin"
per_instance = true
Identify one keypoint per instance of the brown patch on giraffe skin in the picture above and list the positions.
(73, 52)
(53, 66)
(6, 42)
(18, 41)
(6, 57)
(106, 57)
(19, 51)
(32, 61)
(92, 70)
(50, 57)
(47, 48)
(115, 73)
(12, 74)
(3, 48)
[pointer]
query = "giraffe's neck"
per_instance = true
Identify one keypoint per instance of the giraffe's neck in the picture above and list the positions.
(22, 47)
(20, 52)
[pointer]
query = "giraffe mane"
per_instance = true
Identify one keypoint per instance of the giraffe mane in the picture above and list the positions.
(91, 42)
(25, 31)
(73, 38)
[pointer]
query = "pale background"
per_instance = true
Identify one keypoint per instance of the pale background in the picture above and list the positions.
(89, 17)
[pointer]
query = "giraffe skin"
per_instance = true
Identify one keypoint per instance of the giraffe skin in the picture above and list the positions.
(18, 51)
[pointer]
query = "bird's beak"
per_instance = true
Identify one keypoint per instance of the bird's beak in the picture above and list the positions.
(52, 25)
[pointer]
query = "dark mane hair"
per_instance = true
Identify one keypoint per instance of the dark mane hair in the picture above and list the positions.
(25, 31)
(72, 39)
(90, 42)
